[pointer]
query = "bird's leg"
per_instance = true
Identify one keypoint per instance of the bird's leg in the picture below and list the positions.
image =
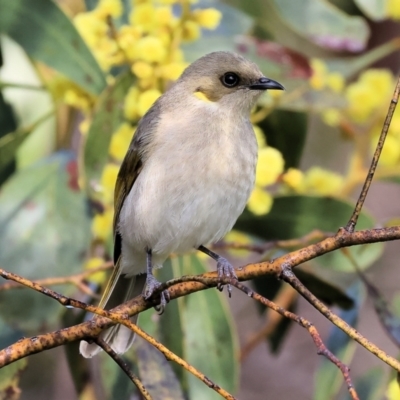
(224, 268)
(152, 284)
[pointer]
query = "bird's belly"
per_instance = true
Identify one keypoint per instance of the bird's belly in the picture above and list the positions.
(197, 206)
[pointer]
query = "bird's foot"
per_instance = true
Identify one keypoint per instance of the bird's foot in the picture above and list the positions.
(152, 284)
(225, 270)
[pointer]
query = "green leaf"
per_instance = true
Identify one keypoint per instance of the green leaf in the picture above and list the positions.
(156, 372)
(386, 312)
(374, 9)
(115, 383)
(210, 340)
(199, 328)
(324, 24)
(329, 378)
(8, 123)
(45, 232)
(106, 119)
(295, 216)
(171, 328)
(312, 27)
(324, 290)
(268, 286)
(49, 36)
(10, 142)
(370, 386)
(9, 380)
(281, 134)
(350, 66)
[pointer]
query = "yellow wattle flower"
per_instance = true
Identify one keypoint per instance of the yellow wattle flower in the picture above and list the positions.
(320, 181)
(120, 141)
(208, 18)
(293, 178)
(269, 166)
(102, 224)
(147, 99)
(150, 49)
(93, 263)
(191, 31)
(260, 201)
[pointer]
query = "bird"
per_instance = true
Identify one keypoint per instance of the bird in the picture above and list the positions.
(186, 178)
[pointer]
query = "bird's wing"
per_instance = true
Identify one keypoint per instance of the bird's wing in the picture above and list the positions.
(131, 167)
(128, 173)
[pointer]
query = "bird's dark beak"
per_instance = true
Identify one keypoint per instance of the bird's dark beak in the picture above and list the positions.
(266, 83)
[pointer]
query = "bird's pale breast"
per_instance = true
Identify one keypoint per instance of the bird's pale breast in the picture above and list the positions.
(192, 188)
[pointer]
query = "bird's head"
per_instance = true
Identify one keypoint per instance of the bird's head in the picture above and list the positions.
(227, 79)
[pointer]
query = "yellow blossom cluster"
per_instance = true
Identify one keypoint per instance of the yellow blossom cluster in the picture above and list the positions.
(270, 166)
(368, 97)
(322, 78)
(149, 45)
(316, 180)
(393, 9)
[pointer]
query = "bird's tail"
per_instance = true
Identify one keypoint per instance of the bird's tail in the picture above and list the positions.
(118, 290)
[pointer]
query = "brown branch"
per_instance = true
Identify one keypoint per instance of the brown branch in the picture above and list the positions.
(90, 331)
(186, 285)
(321, 348)
(125, 367)
(364, 191)
(282, 244)
(284, 299)
(289, 277)
(76, 279)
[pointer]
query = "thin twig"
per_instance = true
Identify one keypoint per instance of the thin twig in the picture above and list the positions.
(284, 299)
(321, 348)
(124, 366)
(186, 285)
(90, 330)
(76, 279)
(314, 235)
(364, 191)
(288, 276)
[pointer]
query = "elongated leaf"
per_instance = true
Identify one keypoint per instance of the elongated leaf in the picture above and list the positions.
(324, 24)
(385, 311)
(313, 27)
(106, 119)
(370, 386)
(45, 232)
(329, 378)
(9, 380)
(374, 9)
(10, 142)
(210, 338)
(156, 372)
(202, 333)
(115, 383)
(350, 66)
(8, 123)
(294, 216)
(49, 36)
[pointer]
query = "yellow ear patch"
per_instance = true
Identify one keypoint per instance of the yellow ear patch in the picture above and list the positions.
(202, 96)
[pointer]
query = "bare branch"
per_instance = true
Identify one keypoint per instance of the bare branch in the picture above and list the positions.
(125, 367)
(321, 348)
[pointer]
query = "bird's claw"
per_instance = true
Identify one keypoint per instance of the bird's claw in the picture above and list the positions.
(152, 284)
(225, 270)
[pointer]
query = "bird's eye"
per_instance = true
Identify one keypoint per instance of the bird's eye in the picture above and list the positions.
(230, 80)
